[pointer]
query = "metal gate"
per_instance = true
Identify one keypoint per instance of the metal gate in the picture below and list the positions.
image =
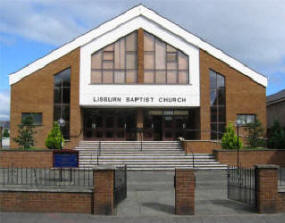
(241, 185)
(120, 185)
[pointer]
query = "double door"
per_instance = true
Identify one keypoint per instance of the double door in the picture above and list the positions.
(165, 128)
(109, 124)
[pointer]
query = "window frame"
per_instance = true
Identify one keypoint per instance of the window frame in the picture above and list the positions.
(32, 114)
(246, 114)
(217, 106)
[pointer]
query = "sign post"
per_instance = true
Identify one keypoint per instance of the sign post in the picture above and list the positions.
(1, 137)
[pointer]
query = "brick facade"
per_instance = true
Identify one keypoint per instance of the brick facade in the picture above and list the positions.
(26, 159)
(34, 93)
(243, 95)
(249, 158)
(184, 191)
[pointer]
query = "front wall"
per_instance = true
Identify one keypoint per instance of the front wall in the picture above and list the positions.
(35, 94)
(243, 95)
(46, 202)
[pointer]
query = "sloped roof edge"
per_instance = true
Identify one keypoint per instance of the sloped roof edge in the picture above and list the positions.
(139, 10)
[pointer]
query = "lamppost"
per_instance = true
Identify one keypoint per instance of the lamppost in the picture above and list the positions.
(238, 124)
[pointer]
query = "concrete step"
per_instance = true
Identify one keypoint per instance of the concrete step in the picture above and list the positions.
(168, 166)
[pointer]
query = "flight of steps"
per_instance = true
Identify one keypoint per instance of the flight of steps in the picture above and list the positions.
(154, 155)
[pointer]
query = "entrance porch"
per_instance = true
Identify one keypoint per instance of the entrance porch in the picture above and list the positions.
(118, 124)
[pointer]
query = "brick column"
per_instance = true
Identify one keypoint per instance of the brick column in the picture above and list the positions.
(266, 179)
(184, 191)
(103, 200)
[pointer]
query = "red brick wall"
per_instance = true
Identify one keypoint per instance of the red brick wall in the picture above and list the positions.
(46, 202)
(184, 191)
(26, 159)
(268, 199)
(281, 201)
(104, 192)
(200, 146)
(34, 93)
(249, 158)
(243, 95)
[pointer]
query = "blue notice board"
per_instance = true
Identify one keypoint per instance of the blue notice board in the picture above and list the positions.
(65, 159)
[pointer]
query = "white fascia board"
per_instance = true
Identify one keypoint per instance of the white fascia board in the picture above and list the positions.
(72, 45)
(112, 24)
(259, 78)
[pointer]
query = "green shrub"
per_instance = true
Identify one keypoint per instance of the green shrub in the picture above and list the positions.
(55, 139)
(26, 131)
(6, 133)
(230, 139)
(255, 134)
(276, 137)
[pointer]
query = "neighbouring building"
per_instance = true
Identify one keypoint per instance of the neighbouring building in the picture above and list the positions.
(276, 108)
(137, 76)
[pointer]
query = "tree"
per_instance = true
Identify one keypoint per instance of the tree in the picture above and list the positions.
(26, 133)
(6, 133)
(276, 137)
(230, 139)
(55, 139)
(255, 134)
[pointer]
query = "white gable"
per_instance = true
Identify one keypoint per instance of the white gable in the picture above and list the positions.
(143, 12)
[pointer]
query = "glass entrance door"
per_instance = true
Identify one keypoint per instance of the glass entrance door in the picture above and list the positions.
(109, 124)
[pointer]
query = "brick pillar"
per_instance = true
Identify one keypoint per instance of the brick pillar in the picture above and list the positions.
(266, 179)
(103, 199)
(184, 191)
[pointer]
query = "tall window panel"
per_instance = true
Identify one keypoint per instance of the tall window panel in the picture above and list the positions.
(116, 63)
(164, 64)
(218, 105)
(61, 112)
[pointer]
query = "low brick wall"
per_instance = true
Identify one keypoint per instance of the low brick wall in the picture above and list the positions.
(27, 201)
(26, 158)
(97, 200)
(249, 158)
(200, 146)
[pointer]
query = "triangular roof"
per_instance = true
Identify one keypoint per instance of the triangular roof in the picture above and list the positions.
(275, 98)
(137, 11)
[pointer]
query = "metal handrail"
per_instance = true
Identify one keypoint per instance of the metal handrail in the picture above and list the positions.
(98, 152)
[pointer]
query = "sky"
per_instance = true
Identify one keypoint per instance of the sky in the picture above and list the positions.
(251, 31)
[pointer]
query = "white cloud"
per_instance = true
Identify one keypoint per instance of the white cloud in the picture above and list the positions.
(4, 105)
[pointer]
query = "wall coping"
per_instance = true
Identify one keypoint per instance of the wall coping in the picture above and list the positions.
(45, 189)
(247, 150)
(22, 150)
(266, 166)
(213, 141)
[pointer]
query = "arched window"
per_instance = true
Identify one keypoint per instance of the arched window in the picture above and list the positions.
(217, 105)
